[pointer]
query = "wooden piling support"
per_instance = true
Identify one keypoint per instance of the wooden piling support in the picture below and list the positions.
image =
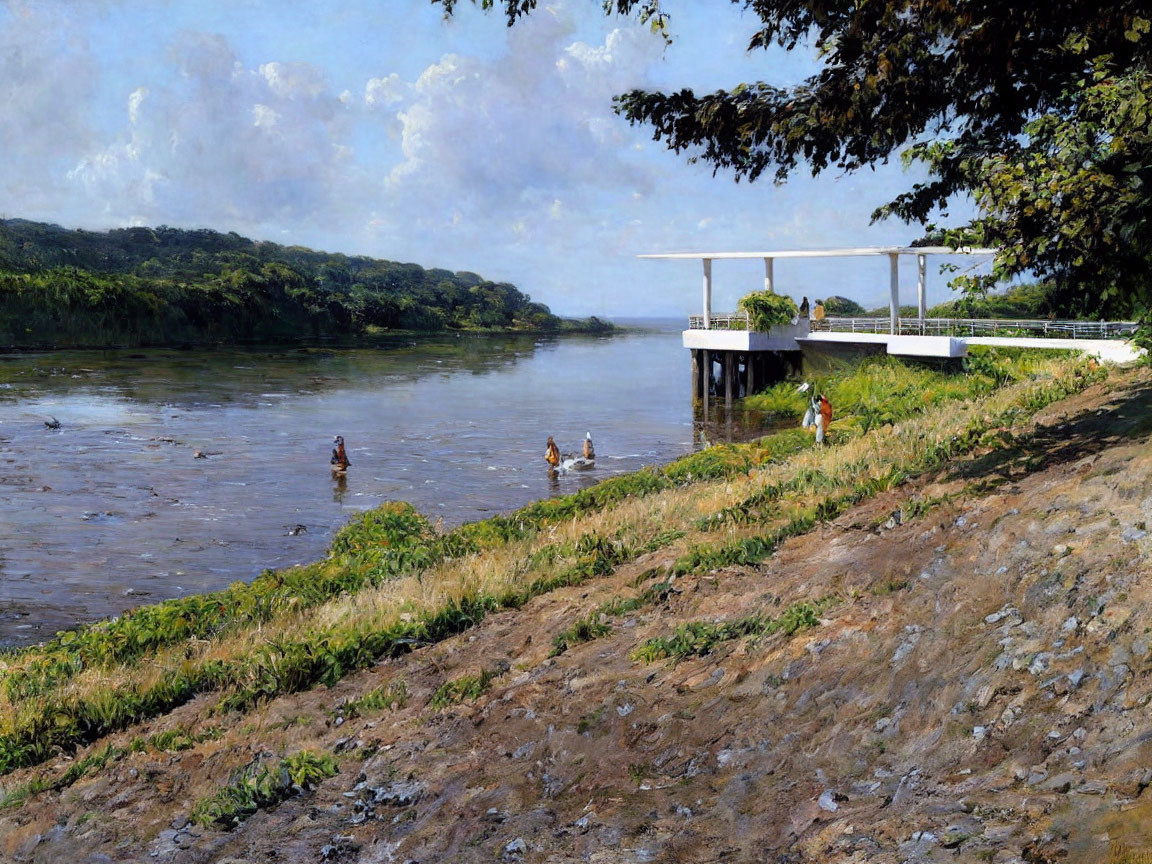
(750, 373)
(729, 363)
(706, 378)
(695, 375)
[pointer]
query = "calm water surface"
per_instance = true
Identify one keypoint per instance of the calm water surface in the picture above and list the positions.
(113, 510)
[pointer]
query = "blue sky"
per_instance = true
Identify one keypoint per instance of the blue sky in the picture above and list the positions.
(376, 127)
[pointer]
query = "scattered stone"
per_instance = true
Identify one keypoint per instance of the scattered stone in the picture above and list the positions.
(1075, 677)
(952, 838)
(1039, 664)
(1131, 535)
(1000, 615)
(1060, 783)
(911, 637)
(515, 848)
(1070, 625)
(827, 801)
(403, 793)
(978, 732)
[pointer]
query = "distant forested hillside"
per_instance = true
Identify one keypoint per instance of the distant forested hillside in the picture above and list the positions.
(1033, 301)
(137, 286)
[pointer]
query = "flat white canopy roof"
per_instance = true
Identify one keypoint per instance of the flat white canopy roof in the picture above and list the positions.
(827, 253)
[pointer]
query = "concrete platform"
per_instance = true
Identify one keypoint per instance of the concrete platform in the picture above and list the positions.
(777, 339)
(898, 346)
(796, 337)
(1107, 350)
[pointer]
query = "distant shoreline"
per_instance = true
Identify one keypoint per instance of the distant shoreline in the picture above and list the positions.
(365, 340)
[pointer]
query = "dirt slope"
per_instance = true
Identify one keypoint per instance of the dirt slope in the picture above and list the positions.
(977, 691)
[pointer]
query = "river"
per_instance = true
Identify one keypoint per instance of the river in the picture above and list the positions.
(113, 509)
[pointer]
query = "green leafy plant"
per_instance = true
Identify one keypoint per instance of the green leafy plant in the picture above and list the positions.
(767, 310)
(463, 689)
(263, 786)
(394, 694)
(697, 638)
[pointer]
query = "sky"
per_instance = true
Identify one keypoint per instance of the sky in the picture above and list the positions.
(377, 127)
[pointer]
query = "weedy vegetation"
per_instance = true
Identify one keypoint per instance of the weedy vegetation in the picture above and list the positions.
(260, 786)
(697, 638)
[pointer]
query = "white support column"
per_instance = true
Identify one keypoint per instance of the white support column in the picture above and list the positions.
(768, 274)
(707, 293)
(894, 290)
(922, 287)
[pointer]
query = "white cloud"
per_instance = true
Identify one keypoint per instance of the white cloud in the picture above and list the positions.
(294, 80)
(48, 76)
(385, 91)
(226, 146)
(134, 101)
(507, 138)
(264, 117)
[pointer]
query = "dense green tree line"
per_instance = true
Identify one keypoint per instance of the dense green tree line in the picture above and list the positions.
(1031, 301)
(137, 286)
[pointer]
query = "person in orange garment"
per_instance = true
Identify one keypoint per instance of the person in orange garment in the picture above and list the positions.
(552, 454)
(825, 418)
(589, 450)
(339, 460)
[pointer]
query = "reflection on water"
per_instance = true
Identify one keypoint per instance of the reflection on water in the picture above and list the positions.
(114, 508)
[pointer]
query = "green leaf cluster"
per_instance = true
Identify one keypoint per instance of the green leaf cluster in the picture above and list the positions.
(263, 786)
(767, 310)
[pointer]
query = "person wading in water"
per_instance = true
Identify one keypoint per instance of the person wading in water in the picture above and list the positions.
(339, 460)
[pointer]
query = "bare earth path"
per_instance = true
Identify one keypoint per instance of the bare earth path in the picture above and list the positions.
(977, 691)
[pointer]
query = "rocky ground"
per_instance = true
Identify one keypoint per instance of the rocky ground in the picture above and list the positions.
(977, 690)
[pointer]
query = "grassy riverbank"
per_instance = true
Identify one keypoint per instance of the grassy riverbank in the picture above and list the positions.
(392, 583)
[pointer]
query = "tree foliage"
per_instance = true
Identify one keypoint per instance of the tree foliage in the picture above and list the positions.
(767, 310)
(841, 306)
(138, 286)
(1037, 111)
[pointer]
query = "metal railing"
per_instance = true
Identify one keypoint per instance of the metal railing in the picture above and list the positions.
(983, 327)
(1062, 329)
(727, 321)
